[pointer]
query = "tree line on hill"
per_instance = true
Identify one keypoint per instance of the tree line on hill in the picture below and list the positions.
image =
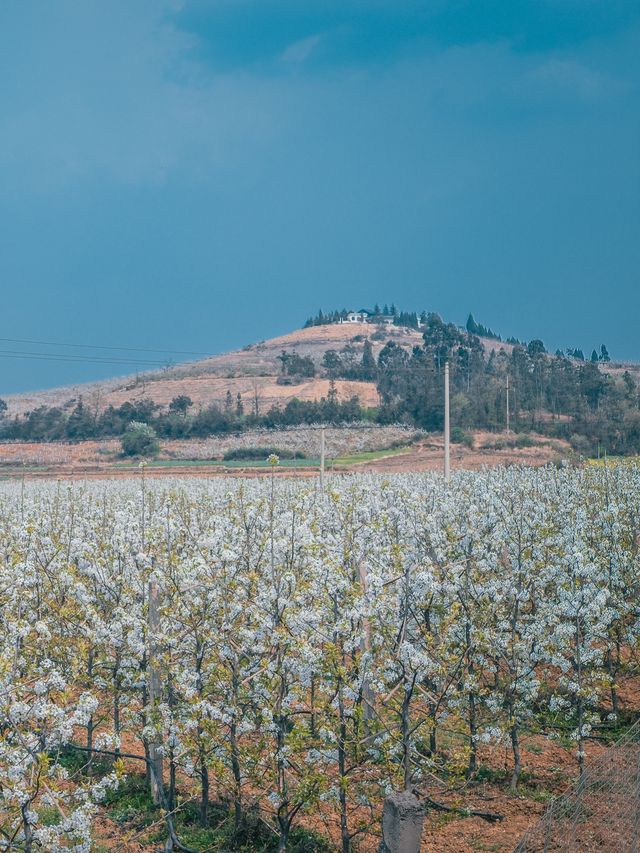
(561, 395)
(553, 394)
(178, 420)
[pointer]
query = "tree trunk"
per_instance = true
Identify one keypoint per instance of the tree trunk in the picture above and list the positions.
(517, 761)
(90, 721)
(204, 787)
(342, 772)
(26, 828)
(473, 731)
(155, 690)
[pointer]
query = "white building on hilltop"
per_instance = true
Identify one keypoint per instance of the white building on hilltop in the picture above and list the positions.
(356, 317)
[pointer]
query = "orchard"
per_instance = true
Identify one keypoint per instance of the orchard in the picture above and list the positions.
(279, 654)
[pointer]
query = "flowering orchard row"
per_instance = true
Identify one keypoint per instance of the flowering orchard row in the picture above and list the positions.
(302, 651)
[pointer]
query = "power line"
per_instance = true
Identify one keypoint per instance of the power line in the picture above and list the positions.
(103, 347)
(43, 356)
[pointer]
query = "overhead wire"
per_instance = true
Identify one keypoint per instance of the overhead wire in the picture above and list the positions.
(43, 356)
(103, 347)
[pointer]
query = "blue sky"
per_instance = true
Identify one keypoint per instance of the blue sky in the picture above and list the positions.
(198, 175)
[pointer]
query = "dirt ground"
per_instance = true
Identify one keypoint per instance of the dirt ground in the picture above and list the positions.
(548, 767)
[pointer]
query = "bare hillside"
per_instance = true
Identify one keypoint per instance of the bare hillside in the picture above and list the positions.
(251, 372)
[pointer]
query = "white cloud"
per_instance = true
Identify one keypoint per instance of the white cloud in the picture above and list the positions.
(300, 51)
(569, 77)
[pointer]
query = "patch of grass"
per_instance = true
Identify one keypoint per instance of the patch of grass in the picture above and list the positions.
(262, 463)
(131, 805)
(490, 774)
(74, 761)
(369, 455)
(538, 795)
(49, 816)
(221, 463)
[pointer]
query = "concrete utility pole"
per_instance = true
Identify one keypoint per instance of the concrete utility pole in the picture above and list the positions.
(322, 451)
(447, 449)
(402, 823)
(508, 430)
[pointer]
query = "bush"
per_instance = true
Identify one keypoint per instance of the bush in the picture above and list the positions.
(240, 453)
(140, 440)
(525, 441)
(461, 436)
(581, 444)
(497, 444)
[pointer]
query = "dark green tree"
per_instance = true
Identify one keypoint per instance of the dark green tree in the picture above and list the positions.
(368, 366)
(180, 404)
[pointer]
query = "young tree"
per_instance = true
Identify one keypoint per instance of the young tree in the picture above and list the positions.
(140, 439)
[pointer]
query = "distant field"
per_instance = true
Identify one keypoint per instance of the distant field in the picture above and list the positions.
(347, 459)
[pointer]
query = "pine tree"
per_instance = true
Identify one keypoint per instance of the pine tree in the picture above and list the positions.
(368, 362)
(239, 406)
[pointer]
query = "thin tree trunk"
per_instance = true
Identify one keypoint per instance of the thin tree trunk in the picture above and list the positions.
(238, 816)
(342, 771)
(237, 778)
(26, 829)
(90, 721)
(204, 785)
(517, 760)
(154, 687)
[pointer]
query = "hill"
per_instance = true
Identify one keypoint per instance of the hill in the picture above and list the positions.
(251, 371)
(341, 372)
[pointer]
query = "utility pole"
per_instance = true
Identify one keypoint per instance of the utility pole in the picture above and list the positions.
(322, 452)
(447, 451)
(508, 430)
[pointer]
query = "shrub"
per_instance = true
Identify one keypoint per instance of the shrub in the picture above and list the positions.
(525, 441)
(140, 440)
(461, 436)
(240, 453)
(581, 444)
